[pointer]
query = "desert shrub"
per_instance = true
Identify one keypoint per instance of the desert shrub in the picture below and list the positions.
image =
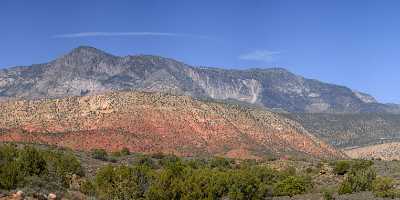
(145, 160)
(31, 162)
(219, 162)
(328, 195)
(87, 187)
(10, 175)
(122, 182)
(341, 167)
(99, 154)
(392, 193)
(170, 160)
(361, 164)
(36, 170)
(309, 170)
(64, 165)
(7, 153)
(167, 185)
(291, 186)
(289, 171)
(244, 184)
(196, 163)
(205, 183)
(123, 152)
(358, 180)
(382, 184)
(384, 187)
(158, 155)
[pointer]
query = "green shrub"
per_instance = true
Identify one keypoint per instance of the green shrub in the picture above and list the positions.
(219, 162)
(244, 185)
(361, 164)
(8, 153)
(99, 154)
(10, 175)
(36, 169)
(309, 170)
(382, 184)
(145, 161)
(358, 180)
(290, 171)
(87, 188)
(291, 186)
(122, 182)
(384, 187)
(125, 152)
(31, 162)
(328, 195)
(205, 184)
(341, 167)
(158, 155)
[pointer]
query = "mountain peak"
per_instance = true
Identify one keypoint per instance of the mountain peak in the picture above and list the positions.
(83, 55)
(85, 50)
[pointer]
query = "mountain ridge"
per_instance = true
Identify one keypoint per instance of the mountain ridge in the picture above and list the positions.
(89, 71)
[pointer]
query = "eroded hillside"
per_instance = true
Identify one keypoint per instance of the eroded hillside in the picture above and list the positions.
(155, 122)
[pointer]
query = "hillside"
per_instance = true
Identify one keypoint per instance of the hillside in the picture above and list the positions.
(156, 122)
(88, 71)
(349, 130)
(386, 151)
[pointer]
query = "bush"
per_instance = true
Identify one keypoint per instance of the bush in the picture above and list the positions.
(384, 187)
(8, 153)
(218, 162)
(244, 185)
(37, 170)
(328, 194)
(291, 186)
(87, 188)
(64, 165)
(341, 167)
(205, 184)
(10, 175)
(31, 162)
(358, 180)
(122, 182)
(145, 161)
(158, 155)
(99, 154)
(124, 152)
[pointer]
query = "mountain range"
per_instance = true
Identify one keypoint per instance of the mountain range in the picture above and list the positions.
(88, 71)
(88, 98)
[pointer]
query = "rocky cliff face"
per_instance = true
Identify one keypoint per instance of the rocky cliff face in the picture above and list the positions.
(155, 122)
(88, 71)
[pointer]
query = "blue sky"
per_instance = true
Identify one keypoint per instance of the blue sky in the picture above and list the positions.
(349, 42)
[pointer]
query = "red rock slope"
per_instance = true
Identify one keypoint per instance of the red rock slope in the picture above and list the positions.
(155, 122)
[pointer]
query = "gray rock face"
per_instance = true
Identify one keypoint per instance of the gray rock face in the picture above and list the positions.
(86, 71)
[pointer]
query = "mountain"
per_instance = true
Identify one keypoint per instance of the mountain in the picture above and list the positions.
(157, 122)
(88, 71)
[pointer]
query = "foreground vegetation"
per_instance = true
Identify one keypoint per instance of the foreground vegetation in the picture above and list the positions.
(39, 171)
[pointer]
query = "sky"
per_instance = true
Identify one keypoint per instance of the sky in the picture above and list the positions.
(355, 43)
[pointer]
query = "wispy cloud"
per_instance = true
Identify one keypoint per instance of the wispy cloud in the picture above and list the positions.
(261, 55)
(120, 34)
